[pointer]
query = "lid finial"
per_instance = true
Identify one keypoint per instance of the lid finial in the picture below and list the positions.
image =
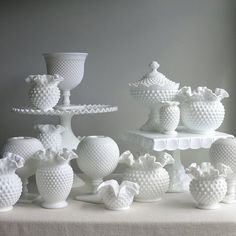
(154, 65)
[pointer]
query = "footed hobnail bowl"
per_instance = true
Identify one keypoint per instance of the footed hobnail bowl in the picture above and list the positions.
(117, 197)
(201, 110)
(149, 174)
(10, 183)
(208, 186)
(54, 177)
(150, 91)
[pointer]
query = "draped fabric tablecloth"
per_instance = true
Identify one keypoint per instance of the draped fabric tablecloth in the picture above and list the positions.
(174, 215)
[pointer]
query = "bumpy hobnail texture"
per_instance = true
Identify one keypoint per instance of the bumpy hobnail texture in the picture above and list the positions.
(149, 174)
(44, 97)
(202, 117)
(50, 135)
(208, 193)
(25, 147)
(117, 197)
(224, 151)
(69, 65)
(98, 156)
(54, 183)
(169, 117)
(10, 190)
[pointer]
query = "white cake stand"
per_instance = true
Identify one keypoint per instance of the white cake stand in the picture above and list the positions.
(69, 140)
(150, 141)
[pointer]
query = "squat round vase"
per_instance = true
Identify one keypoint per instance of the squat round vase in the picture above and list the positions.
(224, 151)
(50, 135)
(149, 174)
(98, 157)
(44, 93)
(10, 183)
(208, 186)
(201, 110)
(169, 117)
(25, 147)
(54, 177)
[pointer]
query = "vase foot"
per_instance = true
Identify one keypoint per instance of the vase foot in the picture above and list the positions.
(29, 198)
(91, 198)
(54, 205)
(5, 209)
(170, 133)
(119, 209)
(147, 200)
(229, 199)
(208, 207)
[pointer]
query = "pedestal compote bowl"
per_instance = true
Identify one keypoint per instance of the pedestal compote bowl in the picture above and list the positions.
(151, 90)
(68, 65)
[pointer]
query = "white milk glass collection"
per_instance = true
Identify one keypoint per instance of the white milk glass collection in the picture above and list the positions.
(145, 178)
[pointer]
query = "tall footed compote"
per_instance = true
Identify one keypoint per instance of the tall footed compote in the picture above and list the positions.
(11, 185)
(150, 91)
(68, 65)
(54, 177)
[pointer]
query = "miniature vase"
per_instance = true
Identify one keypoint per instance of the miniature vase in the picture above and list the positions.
(98, 157)
(68, 65)
(201, 110)
(152, 89)
(50, 135)
(54, 177)
(10, 183)
(149, 174)
(169, 117)
(26, 147)
(224, 151)
(44, 93)
(208, 186)
(117, 197)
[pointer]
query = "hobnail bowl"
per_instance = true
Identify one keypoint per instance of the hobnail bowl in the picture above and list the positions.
(208, 186)
(117, 197)
(149, 174)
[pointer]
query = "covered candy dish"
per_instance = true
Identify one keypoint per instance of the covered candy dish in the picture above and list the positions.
(224, 151)
(26, 147)
(117, 197)
(148, 172)
(151, 90)
(44, 93)
(54, 177)
(208, 186)
(50, 135)
(10, 183)
(201, 110)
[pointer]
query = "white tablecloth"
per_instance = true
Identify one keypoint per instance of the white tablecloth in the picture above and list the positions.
(174, 215)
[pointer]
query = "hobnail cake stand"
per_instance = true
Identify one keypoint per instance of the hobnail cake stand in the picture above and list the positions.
(69, 140)
(158, 142)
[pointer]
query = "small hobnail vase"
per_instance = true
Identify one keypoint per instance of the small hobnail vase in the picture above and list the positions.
(169, 117)
(44, 93)
(208, 186)
(117, 197)
(224, 151)
(25, 147)
(149, 174)
(98, 157)
(10, 183)
(50, 135)
(201, 110)
(54, 177)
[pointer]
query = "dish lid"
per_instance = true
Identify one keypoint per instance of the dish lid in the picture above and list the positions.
(155, 79)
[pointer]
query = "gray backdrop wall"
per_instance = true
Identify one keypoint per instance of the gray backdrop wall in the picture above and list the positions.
(194, 42)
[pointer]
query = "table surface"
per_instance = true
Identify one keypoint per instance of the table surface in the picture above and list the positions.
(182, 141)
(175, 215)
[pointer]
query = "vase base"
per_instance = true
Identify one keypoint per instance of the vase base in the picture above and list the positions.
(229, 199)
(170, 133)
(147, 200)
(5, 209)
(54, 205)
(208, 207)
(203, 132)
(91, 198)
(29, 198)
(119, 209)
